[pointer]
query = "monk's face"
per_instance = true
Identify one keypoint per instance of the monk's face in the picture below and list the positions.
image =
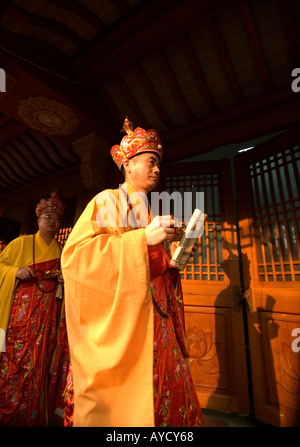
(49, 223)
(142, 171)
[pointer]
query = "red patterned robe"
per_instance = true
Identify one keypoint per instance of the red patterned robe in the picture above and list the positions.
(33, 368)
(175, 399)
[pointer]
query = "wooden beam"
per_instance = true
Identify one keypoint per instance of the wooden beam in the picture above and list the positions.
(196, 69)
(13, 129)
(65, 180)
(4, 119)
(42, 22)
(290, 30)
(28, 48)
(121, 6)
(152, 95)
(255, 46)
(25, 158)
(132, 101)
(143, 33)
(78, 9)
(225, 61)
(174, 86)
(261, 117)
(110, 103)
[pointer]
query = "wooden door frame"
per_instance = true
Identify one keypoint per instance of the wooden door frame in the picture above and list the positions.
(200, 295)
(285, 301)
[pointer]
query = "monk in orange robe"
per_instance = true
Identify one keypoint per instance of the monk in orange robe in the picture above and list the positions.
(34, 358)
(124, 304)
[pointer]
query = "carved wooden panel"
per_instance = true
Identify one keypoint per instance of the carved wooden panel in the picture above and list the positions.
(208, 332)
(281, 363)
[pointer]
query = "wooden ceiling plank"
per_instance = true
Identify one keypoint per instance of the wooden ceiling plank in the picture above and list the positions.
(290, 30)
(78, 9)
(4, 180)
(27, 48)
(3, 186)
(65, 155)
(5, 119)
(111, 104)
(174, 86)
(13, 161)
(121, 6)
(195, 67)
(41, 22)
(49, 147)
(104, 47)
(33, 157)
(10, 174)
(40, 151)
(153, 96)
(130, 98)
(23, 160)
(255, 46)
(225, 61)
(278, 111)
(131, 39)
(12, 130)
(49, 152)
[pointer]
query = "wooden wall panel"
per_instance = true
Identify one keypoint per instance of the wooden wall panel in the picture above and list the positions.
(281, 364)
(209, 335)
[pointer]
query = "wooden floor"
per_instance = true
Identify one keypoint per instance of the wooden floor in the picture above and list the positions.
(214, 422)
(211, 419)
(214, 418)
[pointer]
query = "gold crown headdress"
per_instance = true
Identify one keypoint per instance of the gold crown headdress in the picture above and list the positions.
(135, 142)
(53, 204)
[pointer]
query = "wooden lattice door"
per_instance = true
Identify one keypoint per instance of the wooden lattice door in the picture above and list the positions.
(211, 286)
(269, 213)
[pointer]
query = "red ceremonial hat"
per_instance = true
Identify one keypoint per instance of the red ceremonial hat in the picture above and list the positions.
(135, 142)
(54, 204)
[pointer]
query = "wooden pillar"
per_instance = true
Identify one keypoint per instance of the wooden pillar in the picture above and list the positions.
(94, 152)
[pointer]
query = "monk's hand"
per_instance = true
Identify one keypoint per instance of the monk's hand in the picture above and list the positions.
(25, 273)
(195, 248)
(160, 229)
(60, 279)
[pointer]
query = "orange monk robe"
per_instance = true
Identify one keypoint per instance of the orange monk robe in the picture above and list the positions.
(19, 254)
(109, 316)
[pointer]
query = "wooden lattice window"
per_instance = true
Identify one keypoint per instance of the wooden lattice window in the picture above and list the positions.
(68, 221)
(276, 210)
(206, 264)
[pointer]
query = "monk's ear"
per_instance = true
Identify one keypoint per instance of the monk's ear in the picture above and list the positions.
(126, 165)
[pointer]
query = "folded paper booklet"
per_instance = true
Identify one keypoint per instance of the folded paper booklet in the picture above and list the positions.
(193, 231)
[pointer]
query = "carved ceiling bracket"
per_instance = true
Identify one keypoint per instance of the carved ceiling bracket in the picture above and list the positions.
(92, 151)
(47, 116)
